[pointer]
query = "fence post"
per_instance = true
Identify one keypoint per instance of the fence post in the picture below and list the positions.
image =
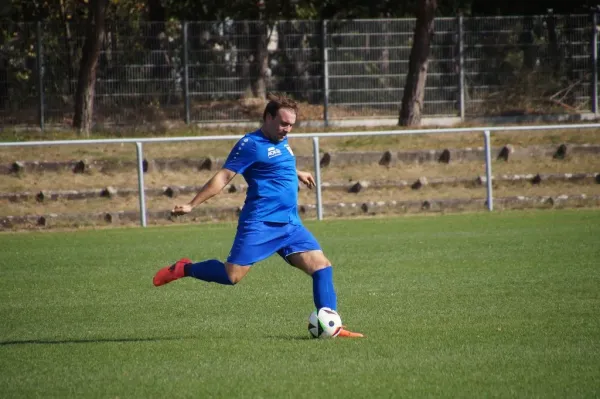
(142, 194)
(186, 77)
(594, 98)
(461, 68)
(488, 170)
(40, 73)
(317, 163)
(325, 73)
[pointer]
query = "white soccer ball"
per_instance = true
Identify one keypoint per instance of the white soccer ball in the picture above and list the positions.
(326, 323)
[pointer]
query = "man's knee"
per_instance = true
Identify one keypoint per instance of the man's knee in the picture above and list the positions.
(236, 272)
(310, 262)
(320, 265)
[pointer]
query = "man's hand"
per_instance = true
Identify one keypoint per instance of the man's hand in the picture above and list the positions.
(306, 178)
(181, 210)
(209, 190)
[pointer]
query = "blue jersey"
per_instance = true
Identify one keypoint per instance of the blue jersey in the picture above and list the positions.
(270, 171)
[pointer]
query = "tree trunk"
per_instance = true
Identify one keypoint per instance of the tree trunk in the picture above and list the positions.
(86, 83)
(414, 88)
(159, 54)
(260, 62)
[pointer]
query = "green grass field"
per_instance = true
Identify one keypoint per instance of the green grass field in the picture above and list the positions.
(474, 305)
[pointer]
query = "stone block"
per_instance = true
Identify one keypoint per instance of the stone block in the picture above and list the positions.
(432, 205)
(422, 181)
(561, 152)
(6, 222)
(207, 164)
(444, 156)
(109, 192)
(42, 196)
(171, 192)
(387, 159)
(80, 166)
(358, 186)
(505, 152)
(547, 201)
(17, 167)
(325, 160)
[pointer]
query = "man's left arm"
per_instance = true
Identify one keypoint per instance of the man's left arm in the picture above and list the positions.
(306, 178)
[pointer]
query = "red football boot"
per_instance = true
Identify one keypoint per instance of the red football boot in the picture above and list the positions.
(170, 273)
(349, 334)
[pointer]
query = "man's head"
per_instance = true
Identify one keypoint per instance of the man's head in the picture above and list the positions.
(279, 117)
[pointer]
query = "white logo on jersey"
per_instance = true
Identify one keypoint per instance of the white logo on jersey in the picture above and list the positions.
(289, 149)
(273, 152)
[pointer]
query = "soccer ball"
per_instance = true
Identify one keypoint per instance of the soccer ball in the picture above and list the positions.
(324, 323)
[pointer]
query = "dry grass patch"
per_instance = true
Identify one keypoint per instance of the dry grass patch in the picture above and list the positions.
(300, 146)
(35, 182)
(399, 171)
(305, 197)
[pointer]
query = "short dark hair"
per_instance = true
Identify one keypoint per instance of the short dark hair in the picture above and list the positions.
(278, 101)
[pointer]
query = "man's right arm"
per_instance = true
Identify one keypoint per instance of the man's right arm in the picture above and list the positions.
(209, 190)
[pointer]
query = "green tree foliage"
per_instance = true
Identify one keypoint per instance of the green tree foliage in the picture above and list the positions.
(158, 43)
(194, 10)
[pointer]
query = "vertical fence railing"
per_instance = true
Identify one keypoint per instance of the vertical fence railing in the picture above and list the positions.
(186, 74)
(317, 166)
(461, 69)
(39, 52)
(141, 185)
(325, 57)
(326, 87)
(594, 45)
(488, 170)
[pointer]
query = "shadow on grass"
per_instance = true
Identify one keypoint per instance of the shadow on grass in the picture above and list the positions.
(289, 338)
(87, 341)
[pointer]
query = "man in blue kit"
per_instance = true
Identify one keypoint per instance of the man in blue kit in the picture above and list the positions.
(269, 221)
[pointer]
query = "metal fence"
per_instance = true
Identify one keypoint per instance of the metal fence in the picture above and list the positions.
(139, 143)
(210, 71)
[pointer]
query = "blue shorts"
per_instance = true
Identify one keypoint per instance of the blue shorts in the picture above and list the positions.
(255, 241)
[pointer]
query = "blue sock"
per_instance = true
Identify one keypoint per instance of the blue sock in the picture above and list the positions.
(211, 270)
(323, 291)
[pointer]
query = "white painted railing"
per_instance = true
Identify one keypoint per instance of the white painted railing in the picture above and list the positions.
(315, 138)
